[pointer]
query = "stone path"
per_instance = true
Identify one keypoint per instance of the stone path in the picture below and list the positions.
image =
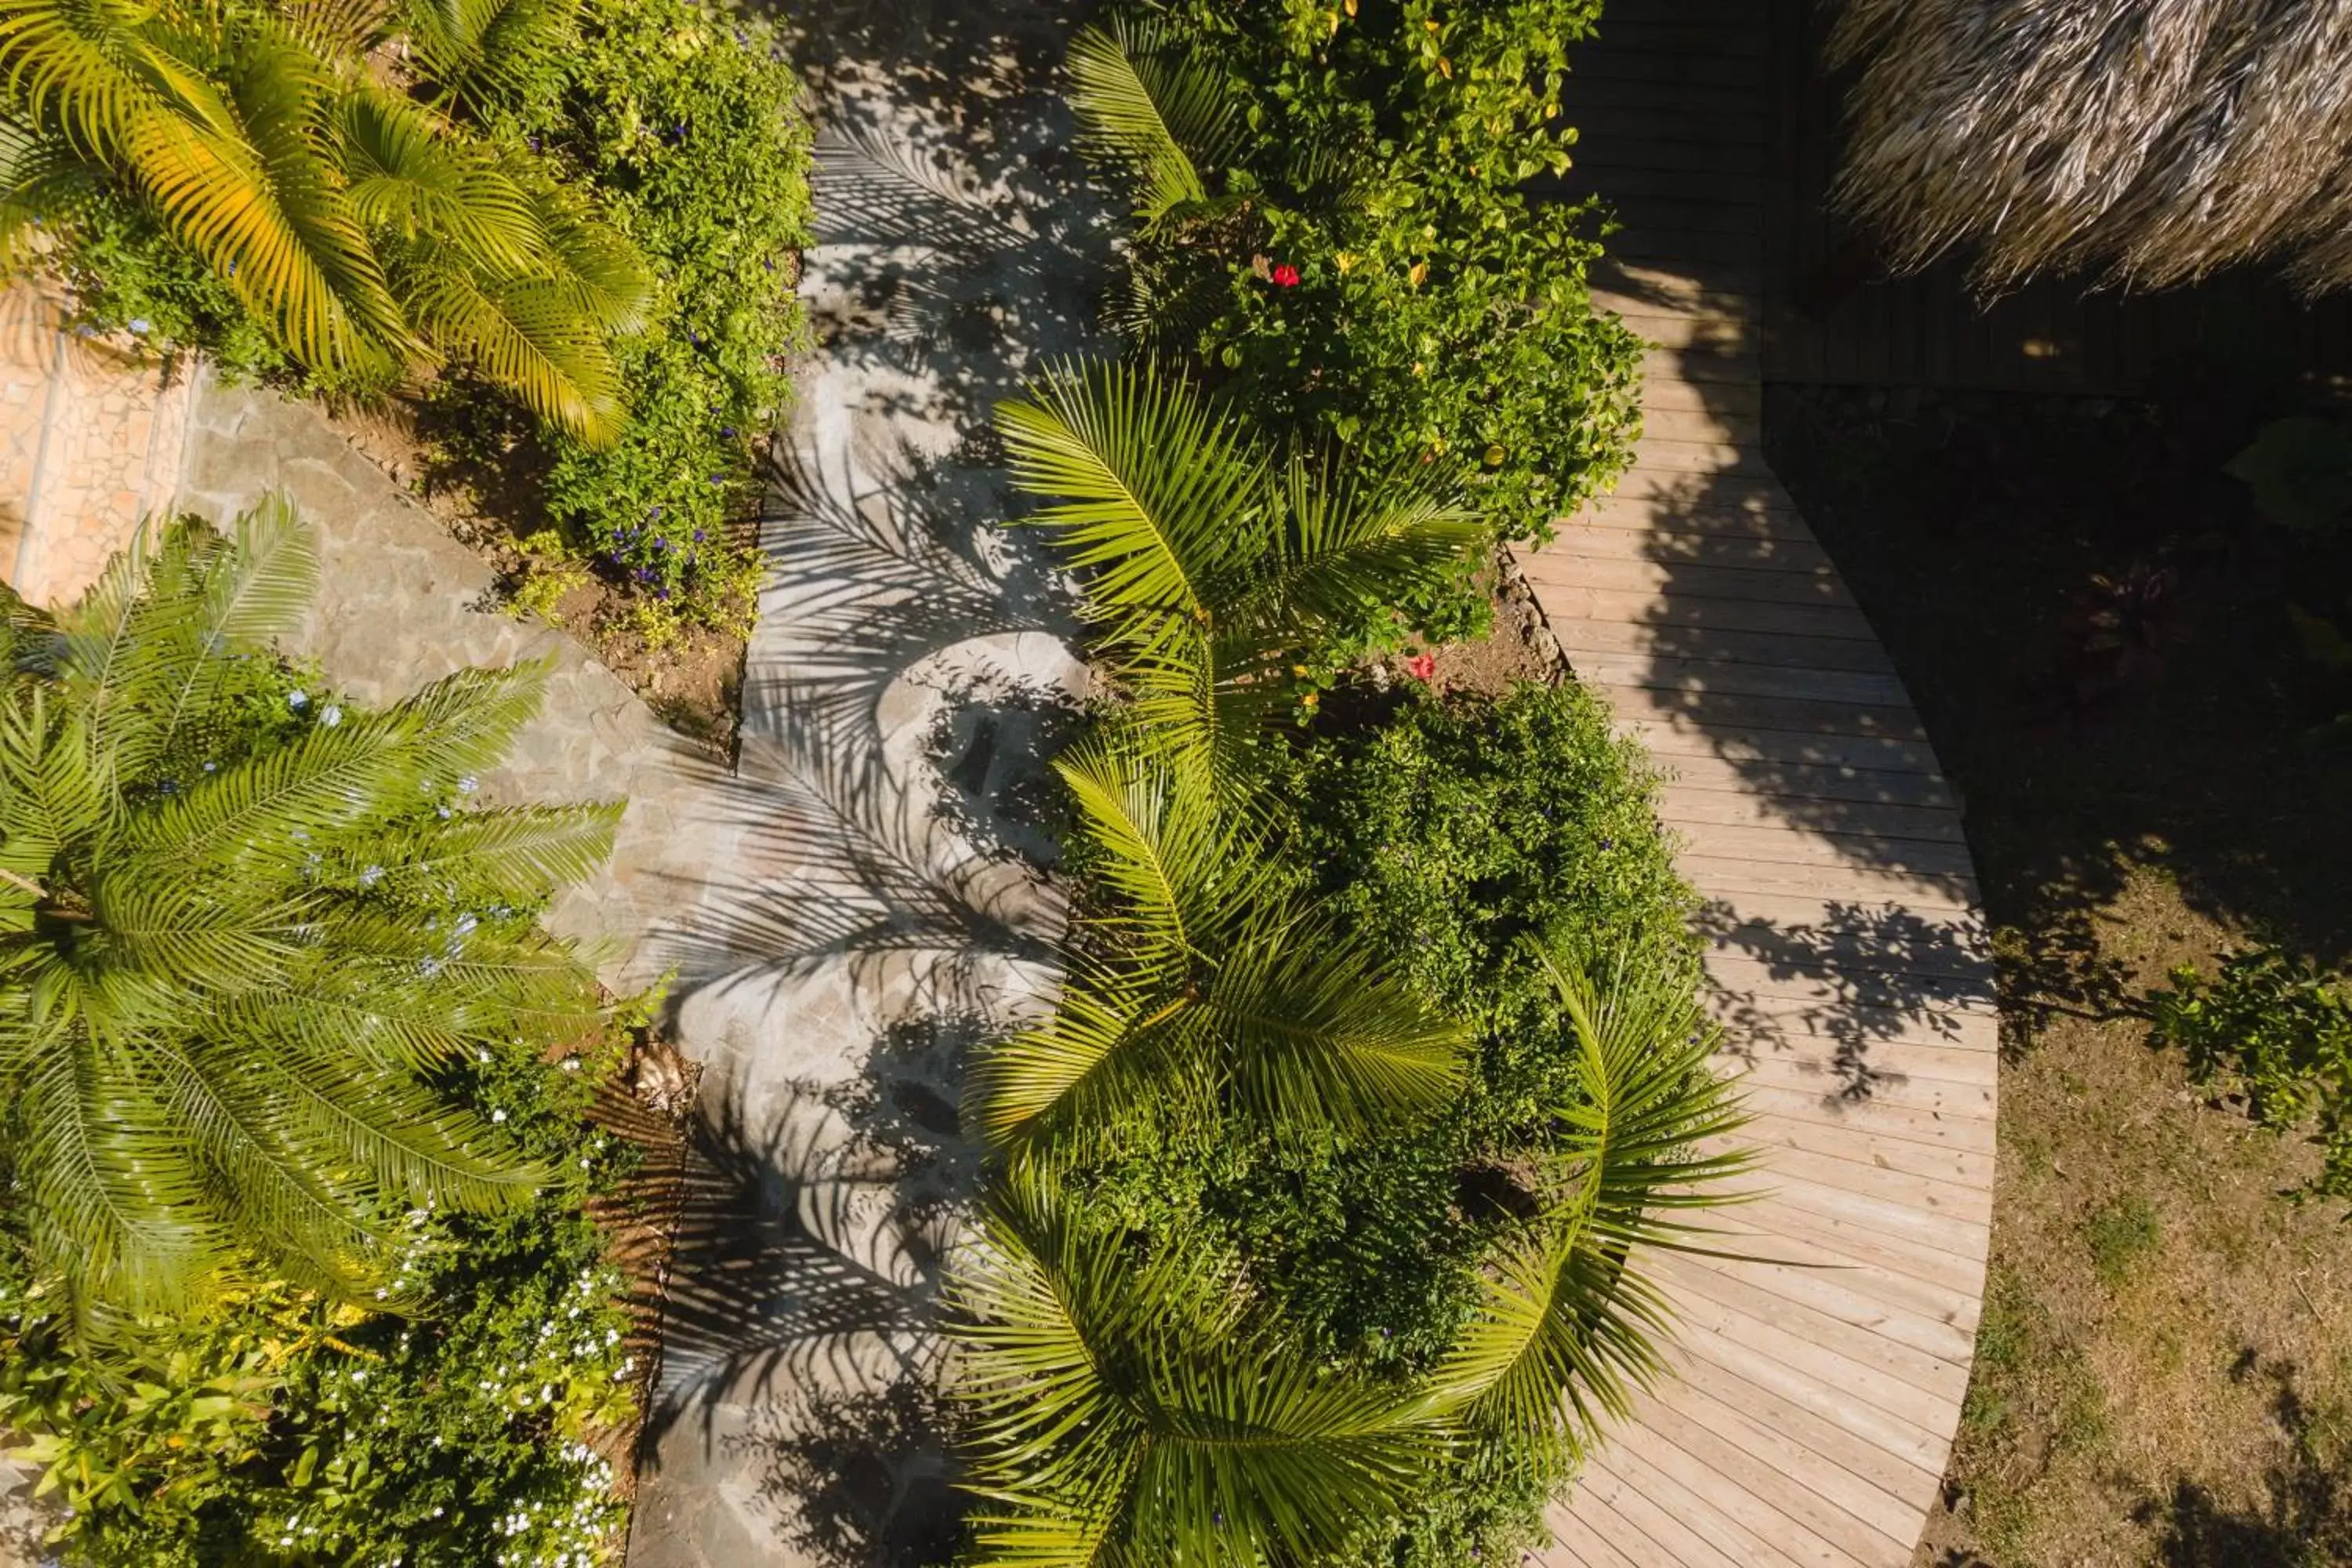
(887, 908)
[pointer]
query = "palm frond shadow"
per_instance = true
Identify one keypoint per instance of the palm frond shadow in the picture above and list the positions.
(799, 1346)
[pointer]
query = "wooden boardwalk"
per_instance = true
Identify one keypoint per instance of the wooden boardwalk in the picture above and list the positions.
(1817, 1388)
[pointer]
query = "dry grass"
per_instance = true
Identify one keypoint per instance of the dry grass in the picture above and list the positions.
(2151, 141)
(2164, 1371)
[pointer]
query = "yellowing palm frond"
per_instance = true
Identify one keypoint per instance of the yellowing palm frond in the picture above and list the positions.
(409, 174)
(86, 66)
(526, 335)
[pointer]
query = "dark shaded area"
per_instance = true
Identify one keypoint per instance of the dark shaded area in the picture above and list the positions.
(2103, 639)
(2306, 1520)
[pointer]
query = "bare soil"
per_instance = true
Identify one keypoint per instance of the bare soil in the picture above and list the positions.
(2096, 630)
(695, 682)
(1517, 648)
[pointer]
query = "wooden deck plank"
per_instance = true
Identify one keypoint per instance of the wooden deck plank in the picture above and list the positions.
(1821, 1380)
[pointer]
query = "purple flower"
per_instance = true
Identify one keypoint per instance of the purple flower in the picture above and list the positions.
(698, 536)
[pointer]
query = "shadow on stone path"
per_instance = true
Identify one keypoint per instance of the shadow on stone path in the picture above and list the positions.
(886, 901)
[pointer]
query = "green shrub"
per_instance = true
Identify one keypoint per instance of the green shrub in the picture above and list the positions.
(687, 129)
(2283, 1028)
(285, 1428)
(1365, 263)
(127, 274)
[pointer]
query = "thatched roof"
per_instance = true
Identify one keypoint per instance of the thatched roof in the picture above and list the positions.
(2147, 142)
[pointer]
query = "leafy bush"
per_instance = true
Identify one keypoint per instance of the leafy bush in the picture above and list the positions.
(2283, 1028)
(1337, 222)
(285, 1428)
(688, 130)
(1360, 1180)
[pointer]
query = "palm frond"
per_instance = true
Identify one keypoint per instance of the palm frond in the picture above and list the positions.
(1154, 494)
(408, 173)
(527, 335)
(514, 852)
(1103, 1401)
(1178, 858)
(1356, 544)
(1569, 1326)
(1109, 1050)
(1319, 1036)
(485, 52)
(1156, 116)
(84, 66)
(260, 201)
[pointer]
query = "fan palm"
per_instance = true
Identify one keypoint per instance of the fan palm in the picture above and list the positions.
(235, 949)
(369, 232)
(1204, 981)
(1208, 564)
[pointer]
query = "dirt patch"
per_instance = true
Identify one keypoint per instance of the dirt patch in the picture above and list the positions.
(1518, 648)
(693, 681)
(2095, 630)
(648, 1102)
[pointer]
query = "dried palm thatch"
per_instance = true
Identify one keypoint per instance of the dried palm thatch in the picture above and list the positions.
(2148, 143)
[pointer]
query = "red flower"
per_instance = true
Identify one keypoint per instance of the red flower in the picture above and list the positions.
(1422, 665)
(1285, 275)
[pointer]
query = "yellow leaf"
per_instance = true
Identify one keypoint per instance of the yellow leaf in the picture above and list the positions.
(1420, 273)
(1445, 67)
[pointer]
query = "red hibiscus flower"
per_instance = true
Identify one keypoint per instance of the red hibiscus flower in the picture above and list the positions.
(1283, 275)
(1422, 665)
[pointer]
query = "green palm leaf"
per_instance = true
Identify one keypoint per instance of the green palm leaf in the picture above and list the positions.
(1122, 1415)
(217, 1028)
(1154, 115)
(1154, 493)
(1568, 1326)
(485, 52)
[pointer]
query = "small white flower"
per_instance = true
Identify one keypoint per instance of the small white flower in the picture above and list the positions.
(467, 785)
(330, 715)
(498, 1116)
(298, 699)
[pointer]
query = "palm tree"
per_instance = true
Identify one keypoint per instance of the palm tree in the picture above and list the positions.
(1568, 1325)
(1128, 1407)
(365, 229)
(1209, 564)
(1126, 1413)
(1204, 984)
(239, 948)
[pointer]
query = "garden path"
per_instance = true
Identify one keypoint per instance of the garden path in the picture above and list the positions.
(885, 905)
(93, 431)
(1819, 1381)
